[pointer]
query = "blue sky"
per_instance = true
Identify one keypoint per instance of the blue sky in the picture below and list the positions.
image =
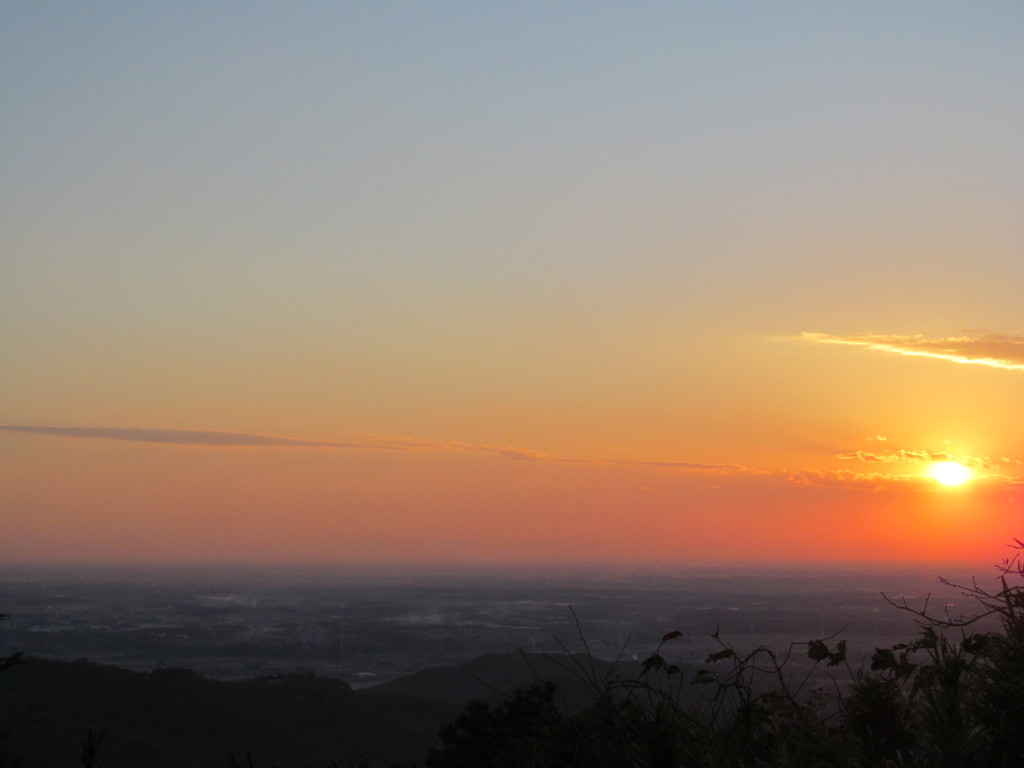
(584, 230)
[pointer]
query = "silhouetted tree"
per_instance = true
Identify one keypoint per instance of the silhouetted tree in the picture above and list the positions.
(948, 699)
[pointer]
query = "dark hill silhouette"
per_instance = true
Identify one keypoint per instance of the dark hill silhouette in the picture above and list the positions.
(176, 717)
(173, 718)
(494, 677)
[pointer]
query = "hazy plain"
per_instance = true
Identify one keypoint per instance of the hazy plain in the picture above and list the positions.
(373, 624)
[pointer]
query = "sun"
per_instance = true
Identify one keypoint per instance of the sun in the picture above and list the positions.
(950, 473)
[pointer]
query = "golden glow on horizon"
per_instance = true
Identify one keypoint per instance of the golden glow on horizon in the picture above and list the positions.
(950, 473)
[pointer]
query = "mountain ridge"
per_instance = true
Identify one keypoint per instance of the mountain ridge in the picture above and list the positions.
(174, 717)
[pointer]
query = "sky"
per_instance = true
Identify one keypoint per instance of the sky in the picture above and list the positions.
(528, 282)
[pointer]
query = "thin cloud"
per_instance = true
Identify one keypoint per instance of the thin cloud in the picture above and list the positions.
(361, 442)
(902, 455)
(995, 350)
(880, 481)
(865, 481)
(194, 437)
(728, 468)
(399, 442)
(867, 456)
(419, 444)
(509, 452)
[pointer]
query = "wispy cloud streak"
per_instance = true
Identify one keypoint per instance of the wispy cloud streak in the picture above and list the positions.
(419, 444)
(866, 481)
(360, 442)
(196, 437)
(870, 481)
(994, 350)
(697, 466)
(901, 455)
(880, 481)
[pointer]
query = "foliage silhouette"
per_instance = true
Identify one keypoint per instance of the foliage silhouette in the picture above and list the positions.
(91, 747)
(948, 699)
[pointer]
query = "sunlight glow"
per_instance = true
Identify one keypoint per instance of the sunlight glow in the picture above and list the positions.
(950, 473)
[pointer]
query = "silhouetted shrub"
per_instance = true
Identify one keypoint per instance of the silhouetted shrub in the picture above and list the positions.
(948, 699)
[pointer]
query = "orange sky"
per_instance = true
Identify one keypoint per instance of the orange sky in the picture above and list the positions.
(564, 283)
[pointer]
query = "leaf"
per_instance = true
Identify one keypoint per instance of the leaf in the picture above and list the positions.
(837, 658)
(703, 677)
(817, 650)
(671, 635)
(928, 639)
(654, 661)
(719, 655)
(883, 658)
(975, 643)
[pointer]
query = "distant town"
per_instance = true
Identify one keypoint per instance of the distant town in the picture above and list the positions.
(369, 627)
